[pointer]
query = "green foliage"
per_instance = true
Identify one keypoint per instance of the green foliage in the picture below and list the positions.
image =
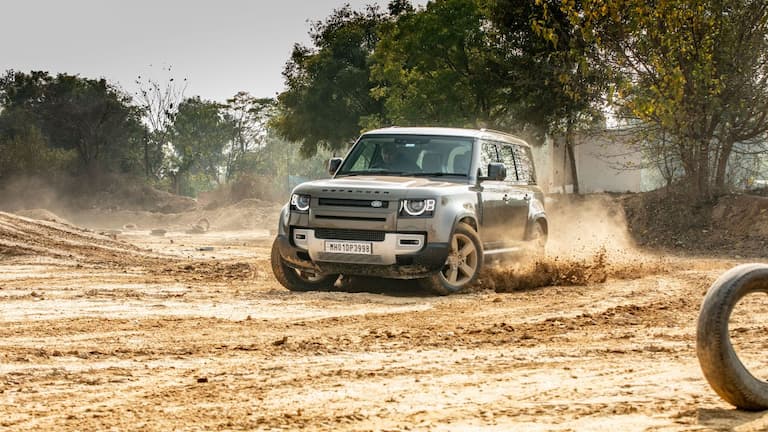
(200, 133)
(249, 116)
(694, 69)
(27, 153)
(90, 117)
(328, 85)
(435, 67)
(472, 63)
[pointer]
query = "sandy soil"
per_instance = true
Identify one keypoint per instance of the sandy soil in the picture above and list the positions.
(131, 331)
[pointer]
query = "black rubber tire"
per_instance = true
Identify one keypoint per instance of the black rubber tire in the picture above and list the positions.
(292, 279)
(438, 284)
(721, 366)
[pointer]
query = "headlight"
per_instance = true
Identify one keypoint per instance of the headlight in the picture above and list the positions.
(417, 207)
(300, 203)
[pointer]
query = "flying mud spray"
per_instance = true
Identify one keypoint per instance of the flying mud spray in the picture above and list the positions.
(589, 242)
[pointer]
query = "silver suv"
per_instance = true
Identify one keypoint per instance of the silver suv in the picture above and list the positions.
(413, 203)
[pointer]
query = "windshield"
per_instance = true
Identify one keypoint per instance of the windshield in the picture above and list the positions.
(409, 155)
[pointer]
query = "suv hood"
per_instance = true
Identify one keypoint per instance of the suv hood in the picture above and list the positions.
(398, 187)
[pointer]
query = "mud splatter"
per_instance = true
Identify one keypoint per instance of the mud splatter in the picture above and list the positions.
(555, 271)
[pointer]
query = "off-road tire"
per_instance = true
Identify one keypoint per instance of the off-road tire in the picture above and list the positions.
(439, 283)
(293, 279)
(721, 366)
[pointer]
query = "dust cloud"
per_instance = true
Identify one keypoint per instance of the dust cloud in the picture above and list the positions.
(589, 242)
(116, 204)
(30, 192)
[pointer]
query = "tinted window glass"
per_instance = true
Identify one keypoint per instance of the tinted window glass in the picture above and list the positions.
(487, 155)
(402, 154)
(364, 158)
(524, 161)
(508, 158)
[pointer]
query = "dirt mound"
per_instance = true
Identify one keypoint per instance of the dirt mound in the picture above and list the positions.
(106, 191)
(734, 225)
(43, 215)
(22, 236)
(245, 188)
(247, 215)
(142, 197)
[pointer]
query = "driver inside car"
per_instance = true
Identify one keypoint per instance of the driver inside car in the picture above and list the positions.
(394, 159)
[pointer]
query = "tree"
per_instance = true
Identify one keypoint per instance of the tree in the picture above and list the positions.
(26, 152)
(200, 133)
(328, 85)
(554, 87)
(159, 104)
(697, 69)
(250, 116)
(436, 67)
(92, 117)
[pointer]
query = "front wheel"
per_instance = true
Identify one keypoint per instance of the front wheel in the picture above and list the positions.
(722, 368)
(462, 266)
(297, 280)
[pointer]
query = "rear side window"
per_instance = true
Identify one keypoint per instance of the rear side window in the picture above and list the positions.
(524, 163)
(508, 158)
(487, 155)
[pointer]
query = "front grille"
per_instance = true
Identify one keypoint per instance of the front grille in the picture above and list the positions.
(349, 258)
(353, 218)
(352, 203)
(347, 234)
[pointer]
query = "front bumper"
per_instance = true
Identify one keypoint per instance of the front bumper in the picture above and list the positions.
(392, 263)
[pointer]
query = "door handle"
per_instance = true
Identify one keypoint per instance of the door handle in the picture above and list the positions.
(527, 197)
(507, 198)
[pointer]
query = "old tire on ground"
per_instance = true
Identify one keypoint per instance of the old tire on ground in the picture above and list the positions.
(462, 266)
(296, 280)
(721, 366)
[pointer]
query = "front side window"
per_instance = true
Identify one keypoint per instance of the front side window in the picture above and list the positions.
(418, 155)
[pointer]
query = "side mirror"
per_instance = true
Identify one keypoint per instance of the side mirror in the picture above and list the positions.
(496, 171)
(334, 164)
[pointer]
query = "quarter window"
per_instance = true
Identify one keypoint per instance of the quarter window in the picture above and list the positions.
(508, 158)
(524, 162)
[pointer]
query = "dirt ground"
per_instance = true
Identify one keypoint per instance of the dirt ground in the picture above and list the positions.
(118, 329)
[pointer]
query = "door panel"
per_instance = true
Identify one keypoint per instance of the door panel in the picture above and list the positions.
(517, 197)
(494, 214)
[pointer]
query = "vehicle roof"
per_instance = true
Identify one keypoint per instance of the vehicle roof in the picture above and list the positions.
(445, 131)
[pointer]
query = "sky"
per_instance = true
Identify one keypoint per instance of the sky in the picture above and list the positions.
(220, 47)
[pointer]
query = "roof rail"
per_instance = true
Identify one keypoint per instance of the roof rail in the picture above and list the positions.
(501, 132)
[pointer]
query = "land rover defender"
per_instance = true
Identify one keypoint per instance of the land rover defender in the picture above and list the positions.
(413, 203)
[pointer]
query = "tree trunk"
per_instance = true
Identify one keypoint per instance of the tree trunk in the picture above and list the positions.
(722, 165)
(569, 146)
(704, 190)
(147, 169)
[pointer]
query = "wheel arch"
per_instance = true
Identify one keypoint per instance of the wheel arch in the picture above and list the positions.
(466, 219)
(537, 219)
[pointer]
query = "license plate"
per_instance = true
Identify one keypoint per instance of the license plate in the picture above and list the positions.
(349, 247)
